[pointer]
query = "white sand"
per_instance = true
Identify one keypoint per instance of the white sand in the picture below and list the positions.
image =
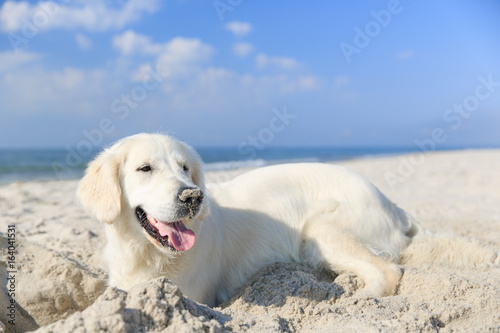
(60, 274)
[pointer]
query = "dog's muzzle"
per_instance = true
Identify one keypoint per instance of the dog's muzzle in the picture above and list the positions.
(174, 234)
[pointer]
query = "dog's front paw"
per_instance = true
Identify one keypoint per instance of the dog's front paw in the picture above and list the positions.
(367, 293)
(381, 285)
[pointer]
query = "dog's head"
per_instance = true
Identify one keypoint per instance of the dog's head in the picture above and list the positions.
(150, 183)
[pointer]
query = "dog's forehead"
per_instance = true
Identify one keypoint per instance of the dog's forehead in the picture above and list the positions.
(155, 148)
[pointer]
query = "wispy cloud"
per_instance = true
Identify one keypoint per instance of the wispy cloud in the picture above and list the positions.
(239, 28)
(10, 60)
(264, 61)
(242, 49)
(91, 15)
(342, 90)
(59, 92)
(83, 42)
(131, 42)
(193, 88)
(341, 81)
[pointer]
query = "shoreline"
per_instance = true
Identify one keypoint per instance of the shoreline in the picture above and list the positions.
(235, 165)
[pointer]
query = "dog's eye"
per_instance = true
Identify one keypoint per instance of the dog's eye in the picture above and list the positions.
(145, 168)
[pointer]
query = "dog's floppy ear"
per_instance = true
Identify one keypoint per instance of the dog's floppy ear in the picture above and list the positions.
(99, 190)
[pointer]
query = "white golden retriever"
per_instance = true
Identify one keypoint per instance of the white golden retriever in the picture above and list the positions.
(162, 220)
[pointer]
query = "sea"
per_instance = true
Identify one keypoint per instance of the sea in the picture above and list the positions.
(20, 165)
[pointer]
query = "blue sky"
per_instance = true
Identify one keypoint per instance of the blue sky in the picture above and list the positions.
(381, 73)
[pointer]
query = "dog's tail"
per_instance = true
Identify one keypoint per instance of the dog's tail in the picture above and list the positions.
(429, 248)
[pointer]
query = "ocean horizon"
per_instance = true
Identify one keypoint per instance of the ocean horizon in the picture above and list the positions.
(46, 164)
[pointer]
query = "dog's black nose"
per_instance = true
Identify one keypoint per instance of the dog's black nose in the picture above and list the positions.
(190, 196)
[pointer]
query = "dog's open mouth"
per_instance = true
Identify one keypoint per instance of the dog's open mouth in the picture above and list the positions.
(172, 234)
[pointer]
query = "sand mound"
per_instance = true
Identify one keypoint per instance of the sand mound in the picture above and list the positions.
(155, 306)
(23, 321)
(49, 286)
(295, 298)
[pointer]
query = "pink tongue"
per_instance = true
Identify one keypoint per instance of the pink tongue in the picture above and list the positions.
(181, 237)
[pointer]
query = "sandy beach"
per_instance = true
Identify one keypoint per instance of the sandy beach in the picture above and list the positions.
(59, 279)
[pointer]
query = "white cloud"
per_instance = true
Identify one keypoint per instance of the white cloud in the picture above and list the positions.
(239, 28)
(242, 49)
(131, 42)
(69, 90)
(192, 93)
(286, 84)
(11, 13)
(308, 82)
(18, 16)
(264, 61)
(10, 60)
(185, 50)
(222, 91)
(84, 42)
(178, 49)
(69, 78)
(179, 56)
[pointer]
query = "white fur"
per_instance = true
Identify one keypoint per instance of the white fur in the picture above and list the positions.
(320, 214)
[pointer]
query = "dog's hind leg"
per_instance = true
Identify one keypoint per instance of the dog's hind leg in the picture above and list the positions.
(325, 245)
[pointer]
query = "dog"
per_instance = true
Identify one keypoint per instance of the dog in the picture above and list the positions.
(162, 220)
